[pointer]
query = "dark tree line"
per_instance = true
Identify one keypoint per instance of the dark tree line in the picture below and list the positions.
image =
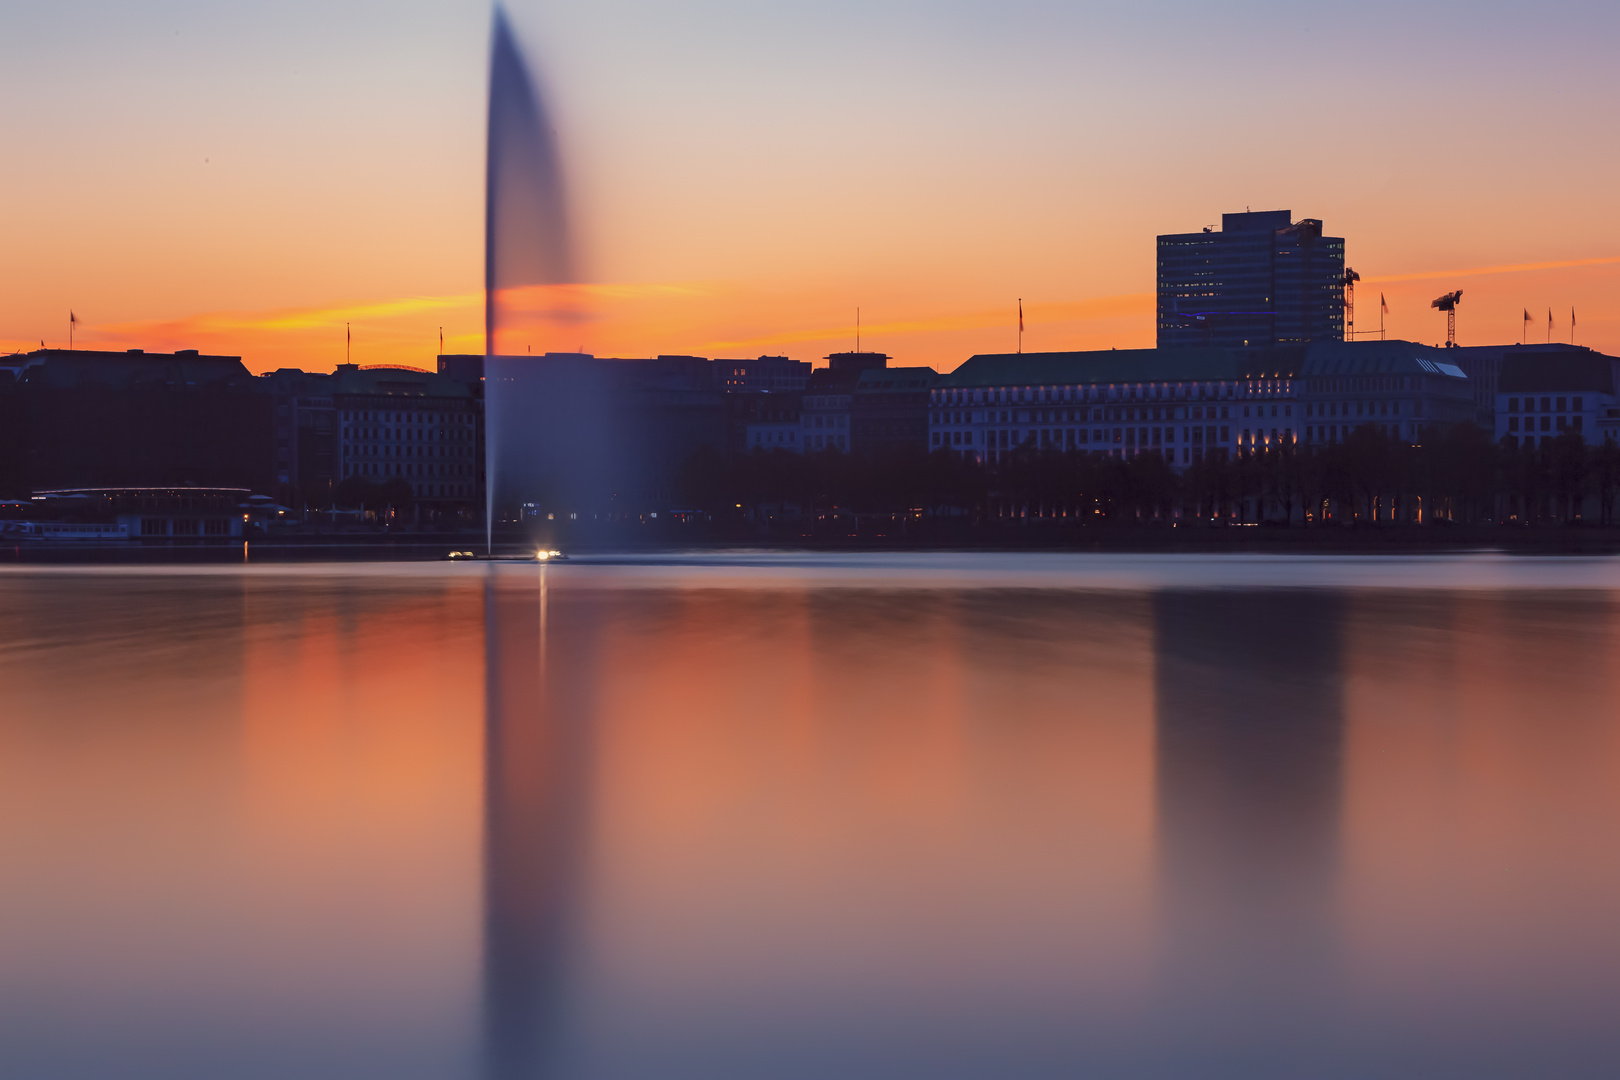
(1461, 477)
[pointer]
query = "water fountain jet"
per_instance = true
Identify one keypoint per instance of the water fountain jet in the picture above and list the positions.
(526, 236)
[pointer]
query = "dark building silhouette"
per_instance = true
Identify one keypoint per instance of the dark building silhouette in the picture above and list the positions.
(82, 418)
(1249, 720)
(305, 444)
(889, 410)
(856, 361)
(1263, 279)
(765, 374)
(463, 367)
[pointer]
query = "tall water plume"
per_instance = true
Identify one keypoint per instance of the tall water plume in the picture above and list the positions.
(527, 249)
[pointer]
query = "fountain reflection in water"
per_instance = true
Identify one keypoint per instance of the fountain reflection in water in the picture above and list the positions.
(536, 790)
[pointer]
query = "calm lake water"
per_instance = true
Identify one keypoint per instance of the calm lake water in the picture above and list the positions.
(806, 817)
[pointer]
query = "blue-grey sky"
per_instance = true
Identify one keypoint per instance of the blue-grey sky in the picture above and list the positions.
(744, 174)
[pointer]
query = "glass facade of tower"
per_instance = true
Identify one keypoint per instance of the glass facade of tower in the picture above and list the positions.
(1263, 279)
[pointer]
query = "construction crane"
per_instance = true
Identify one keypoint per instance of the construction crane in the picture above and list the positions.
(1448, 304)
(1350, 279)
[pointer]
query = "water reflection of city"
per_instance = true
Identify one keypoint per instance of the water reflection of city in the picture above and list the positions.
(1249, 719)
(950, 833)
(1246, 728)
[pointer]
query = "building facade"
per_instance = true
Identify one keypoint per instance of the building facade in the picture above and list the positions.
(763, 375)
(1262, 279)
(769, 421)
(405, 423)
(825, 413)
(1403, 390)
(84, 418)
(304, 436)
(1483, 365)
(889, 409)
(1119, 402)
(1186, 404)
(1571, 391)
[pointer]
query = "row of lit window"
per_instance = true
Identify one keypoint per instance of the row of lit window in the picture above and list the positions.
(1363, 408)
(409, 416)
(1197, 412)
(1547, 404)
(1015, 395)
(393, 434)
(1565, 423)
(1130, 436)
(364, 449)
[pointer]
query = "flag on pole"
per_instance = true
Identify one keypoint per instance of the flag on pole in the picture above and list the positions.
(1020, 315)
(1383, 305)
(73, 319)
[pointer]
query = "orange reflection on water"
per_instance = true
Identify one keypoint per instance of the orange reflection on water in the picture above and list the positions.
(567, 821)
(1482, 799)
(853, 799)
(359, 788)
(238, 813)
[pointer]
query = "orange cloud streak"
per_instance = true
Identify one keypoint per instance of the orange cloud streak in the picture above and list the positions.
(713, 318)
(1477, 271)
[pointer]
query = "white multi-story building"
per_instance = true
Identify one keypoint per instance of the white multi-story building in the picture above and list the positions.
(1402, 390)
(1548, 393)
(1187, 403)
(768, 433)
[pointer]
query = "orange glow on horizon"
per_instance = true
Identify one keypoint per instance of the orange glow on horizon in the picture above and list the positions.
(720, 318)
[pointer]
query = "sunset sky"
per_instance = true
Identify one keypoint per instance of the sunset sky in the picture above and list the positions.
(247, 178)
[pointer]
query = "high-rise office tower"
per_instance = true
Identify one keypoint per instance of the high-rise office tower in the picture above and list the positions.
(1263, 279)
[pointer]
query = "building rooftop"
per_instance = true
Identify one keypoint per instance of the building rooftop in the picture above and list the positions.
(1202, 364)
(1557, 372)
(395, 381)
(1378, 358)
(857, 361)
(1181, 364)
(896, 380)
(131, 369)
(1257, 221)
